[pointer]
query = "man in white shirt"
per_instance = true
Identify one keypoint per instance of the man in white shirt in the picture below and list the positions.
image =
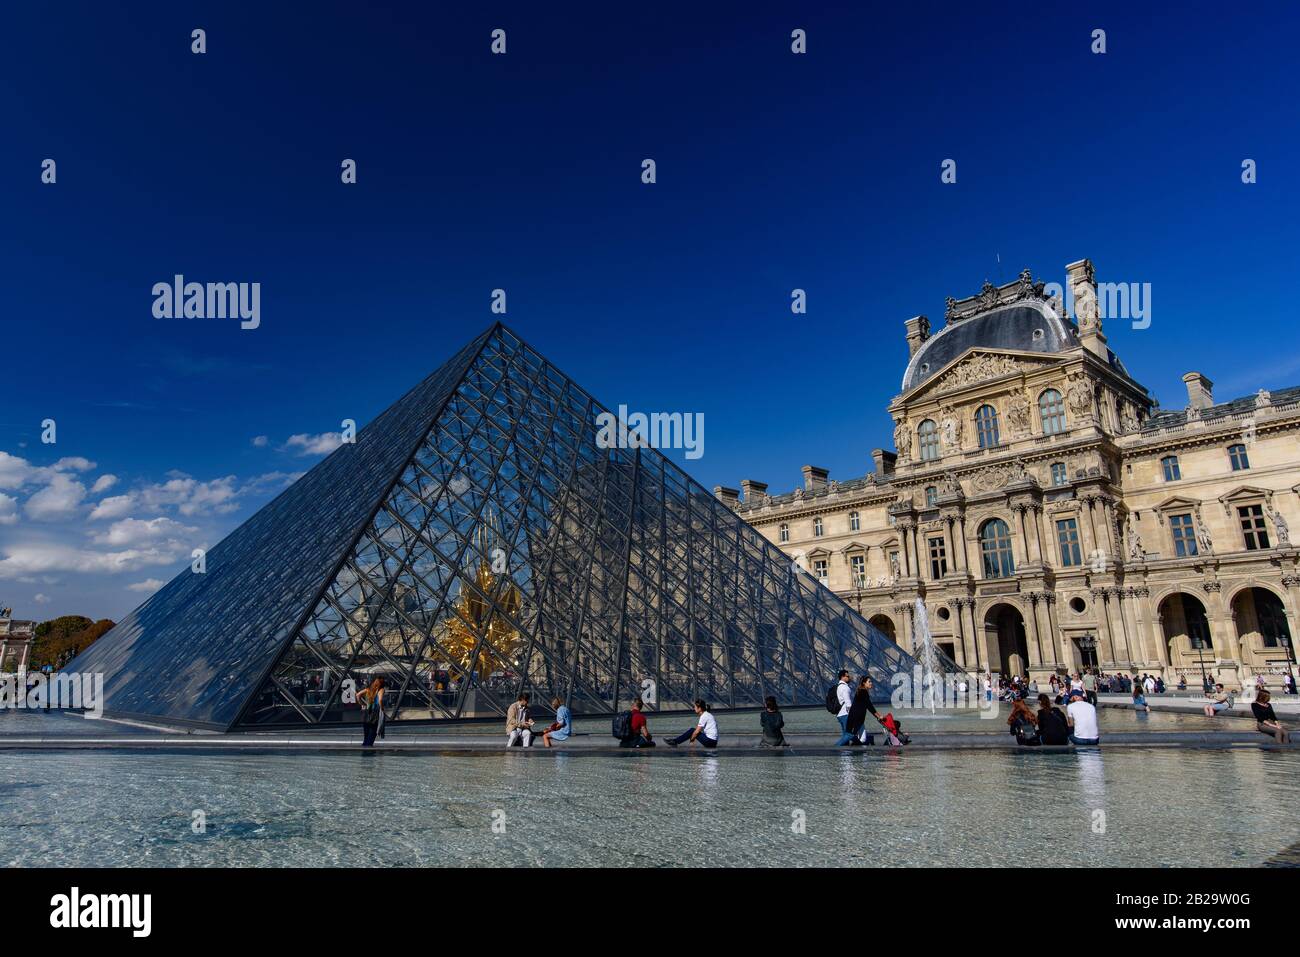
(844, 694)
(705, 731)
(1082, 719)
(1149, 684)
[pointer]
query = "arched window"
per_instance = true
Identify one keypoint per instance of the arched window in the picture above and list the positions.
(785, 532)
(855, 522)
(986, 426)
(995, 547)
(1051, 409)
(931, 496)
(817, 527)
(928, 435)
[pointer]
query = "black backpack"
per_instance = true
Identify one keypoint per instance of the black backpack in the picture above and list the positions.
(833, 698)
(622, 725)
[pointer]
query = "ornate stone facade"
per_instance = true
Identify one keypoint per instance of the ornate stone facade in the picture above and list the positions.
(1051, 515)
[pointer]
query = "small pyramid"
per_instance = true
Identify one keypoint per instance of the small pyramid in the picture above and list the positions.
(478, 540)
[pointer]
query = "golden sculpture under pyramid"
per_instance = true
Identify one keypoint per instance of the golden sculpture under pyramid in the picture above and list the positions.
(475, 616)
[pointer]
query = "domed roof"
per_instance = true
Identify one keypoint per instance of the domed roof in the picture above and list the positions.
(1024, 326)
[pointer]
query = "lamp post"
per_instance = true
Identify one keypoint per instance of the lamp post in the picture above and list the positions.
(1088, 643)
(1199, 644)
(1290, 657)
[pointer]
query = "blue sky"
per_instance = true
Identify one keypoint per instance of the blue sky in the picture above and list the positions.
(522, 172)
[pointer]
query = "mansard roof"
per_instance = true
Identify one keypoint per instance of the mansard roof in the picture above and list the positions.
(1025, 326)
(1239, 406)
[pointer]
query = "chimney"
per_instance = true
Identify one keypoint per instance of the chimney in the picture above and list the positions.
(1082, 281)
(814, 479)
(918, 330)
(753, 491)
(1200, 390)
(727, 496)
(884, 462)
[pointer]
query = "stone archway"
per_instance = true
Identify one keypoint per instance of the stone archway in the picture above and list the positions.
(1261, 620)
(885, 625)
(1005, 639)
(1186, 631)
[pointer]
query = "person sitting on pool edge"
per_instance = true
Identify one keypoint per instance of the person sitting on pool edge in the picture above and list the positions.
(640, 731)
(1082, 718)
(563, 726)
(772, 722)
(1218, 703)
(1266, 719)
(705, 732)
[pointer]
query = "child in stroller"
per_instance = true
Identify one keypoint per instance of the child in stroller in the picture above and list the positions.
(894, 736)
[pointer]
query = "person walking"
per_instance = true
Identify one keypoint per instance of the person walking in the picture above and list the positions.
(372, 711)
(844, 694)
(1090, 686)
(563, 726)
(519, 727)
(1266, 720)
(705, 732)
(858, 713)
(772, 722)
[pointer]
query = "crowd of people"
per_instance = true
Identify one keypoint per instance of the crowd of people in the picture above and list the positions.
(1066, 715)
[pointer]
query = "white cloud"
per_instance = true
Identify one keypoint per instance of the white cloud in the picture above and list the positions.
(306, 444)
(149, 585)
(103, 484)
(41, 599)
(260, 441)
(41, 558)
(269, 482)
(60, 499)
(189, 496)
(74, 463)
(134, 531)
(8, 509)
(16, 472)
(115, 506)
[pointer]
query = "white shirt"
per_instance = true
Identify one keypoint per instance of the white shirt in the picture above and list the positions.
(1150, 684)
(708, 726)
(1084, 717)
(846, 698)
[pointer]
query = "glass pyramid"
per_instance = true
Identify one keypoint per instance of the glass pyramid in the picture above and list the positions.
(475, 541)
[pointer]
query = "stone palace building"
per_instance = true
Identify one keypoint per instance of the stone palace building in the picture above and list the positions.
(1050, 515)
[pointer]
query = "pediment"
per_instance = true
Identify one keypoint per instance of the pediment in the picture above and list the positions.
(977, 365)
(1177, 502)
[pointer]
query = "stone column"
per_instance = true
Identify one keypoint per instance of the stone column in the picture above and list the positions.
(968, 608)
(1023, 540)
(1106, 644)
(1037, 524)
(1036, 657)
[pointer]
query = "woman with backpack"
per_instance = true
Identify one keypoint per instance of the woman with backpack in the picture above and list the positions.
(1023, 724)
(858, 713)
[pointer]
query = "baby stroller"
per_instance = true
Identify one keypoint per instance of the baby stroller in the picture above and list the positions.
(894, 736)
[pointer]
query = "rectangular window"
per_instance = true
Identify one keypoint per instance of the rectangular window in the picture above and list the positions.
(1170, 466)
(938, 558)
(819, 569)
(1240, 461)
(1058, 473)
(1067, 535)
(1253, 529)
(1184, 533)
(858, 566)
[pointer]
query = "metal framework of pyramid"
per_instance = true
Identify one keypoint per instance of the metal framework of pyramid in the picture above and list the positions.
(475, 541)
